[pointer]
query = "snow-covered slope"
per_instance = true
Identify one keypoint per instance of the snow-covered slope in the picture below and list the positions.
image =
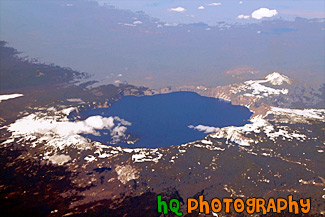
(56, 132)
(10, 96)
(276, 78)
(257, 88)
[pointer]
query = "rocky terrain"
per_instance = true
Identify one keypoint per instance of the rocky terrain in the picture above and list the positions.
(280, 152)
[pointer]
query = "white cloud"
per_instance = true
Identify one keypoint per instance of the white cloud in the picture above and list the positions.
(201, 7)
(263, 12)
(98, 122)
(170, 24)
(242, 16)
(64, 129)
(118, 132)
(214, 4)
(126, 24)
(137, 22)
(241, 2)
(206, 129)
(124, 122)
(178, 9)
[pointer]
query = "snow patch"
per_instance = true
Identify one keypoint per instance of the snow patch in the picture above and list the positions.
(258, 124)
(144, 155)
(318, 114)
(255, 88)
(90, 158)
(206, 142)
(10, 96)
(126, 173)
(59, 159)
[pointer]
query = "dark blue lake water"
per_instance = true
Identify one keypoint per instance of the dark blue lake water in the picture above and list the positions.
(164, 120)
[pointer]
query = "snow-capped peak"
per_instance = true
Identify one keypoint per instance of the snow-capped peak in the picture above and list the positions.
(276, 78)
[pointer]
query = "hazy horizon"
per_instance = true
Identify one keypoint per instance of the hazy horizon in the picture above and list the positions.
(117, 45)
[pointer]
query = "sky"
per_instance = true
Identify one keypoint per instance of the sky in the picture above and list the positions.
(213, 11)
(123, 45)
